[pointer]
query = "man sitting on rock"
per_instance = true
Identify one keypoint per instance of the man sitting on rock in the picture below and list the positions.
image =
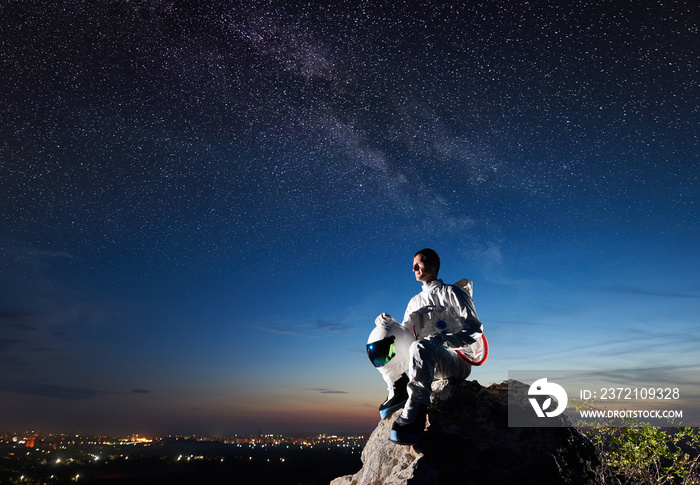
(448, 337)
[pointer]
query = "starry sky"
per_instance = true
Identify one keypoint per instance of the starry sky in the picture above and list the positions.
(204, 205)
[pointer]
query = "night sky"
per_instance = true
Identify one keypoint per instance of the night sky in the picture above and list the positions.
(204, 205)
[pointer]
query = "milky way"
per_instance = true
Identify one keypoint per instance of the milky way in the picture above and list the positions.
(183, 118)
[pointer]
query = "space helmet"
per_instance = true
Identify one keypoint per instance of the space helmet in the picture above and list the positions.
(387, 349)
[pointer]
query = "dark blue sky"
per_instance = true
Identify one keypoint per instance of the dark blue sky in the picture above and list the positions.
(205, 207)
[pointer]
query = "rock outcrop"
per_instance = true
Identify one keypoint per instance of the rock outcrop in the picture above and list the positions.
(468, 441)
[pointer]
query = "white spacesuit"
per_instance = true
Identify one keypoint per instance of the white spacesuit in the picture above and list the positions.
(448, 341)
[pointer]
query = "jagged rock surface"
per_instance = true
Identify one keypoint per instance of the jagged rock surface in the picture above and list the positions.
(468, 441)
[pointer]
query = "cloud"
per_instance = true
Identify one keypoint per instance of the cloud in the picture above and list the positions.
(50, 390)
(651, 376)
(327, 391)
(14, 316)
(633, 347)
(332, 327)
(7, 343)
(283, 331)
(66, 393)
(13, 319)
(641, 291)
(305, 328)
(26, 254)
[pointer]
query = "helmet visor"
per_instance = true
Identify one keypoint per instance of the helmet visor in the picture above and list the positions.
(381, 351)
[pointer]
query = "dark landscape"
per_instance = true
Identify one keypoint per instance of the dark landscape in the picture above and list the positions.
(177, 461)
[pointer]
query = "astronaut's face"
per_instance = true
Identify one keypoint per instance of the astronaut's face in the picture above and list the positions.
(424, 272)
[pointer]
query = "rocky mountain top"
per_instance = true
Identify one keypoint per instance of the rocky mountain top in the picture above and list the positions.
(468, 441)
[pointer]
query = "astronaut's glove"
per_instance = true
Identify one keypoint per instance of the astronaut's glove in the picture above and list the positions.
(384, 320)
(449, 340)
(437, 338)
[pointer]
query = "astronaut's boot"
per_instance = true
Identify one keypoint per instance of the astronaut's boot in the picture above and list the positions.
(398, 395)
(409, 430)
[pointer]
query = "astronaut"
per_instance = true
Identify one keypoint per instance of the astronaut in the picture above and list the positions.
(440, 337)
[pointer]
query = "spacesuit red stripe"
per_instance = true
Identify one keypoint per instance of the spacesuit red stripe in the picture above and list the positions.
(483, 359)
